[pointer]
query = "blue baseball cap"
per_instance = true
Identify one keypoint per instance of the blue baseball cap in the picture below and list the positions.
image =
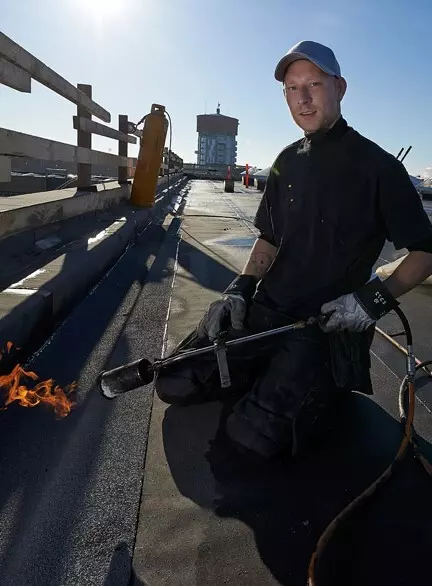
(322, 56)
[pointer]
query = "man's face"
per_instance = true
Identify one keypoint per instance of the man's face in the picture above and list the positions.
(313, 96)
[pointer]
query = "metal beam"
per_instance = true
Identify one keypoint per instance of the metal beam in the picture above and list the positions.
(17, 144)
(100, 129)
(49, 78)
(14, 76)
(5, 169)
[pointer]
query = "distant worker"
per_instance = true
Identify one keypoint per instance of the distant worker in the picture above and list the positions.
(331, 200)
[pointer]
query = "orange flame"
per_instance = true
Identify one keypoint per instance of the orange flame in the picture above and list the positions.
(44, 392)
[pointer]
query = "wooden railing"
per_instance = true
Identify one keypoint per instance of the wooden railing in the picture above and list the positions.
(17, 68)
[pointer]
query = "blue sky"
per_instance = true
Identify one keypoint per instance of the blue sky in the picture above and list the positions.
(189, 55)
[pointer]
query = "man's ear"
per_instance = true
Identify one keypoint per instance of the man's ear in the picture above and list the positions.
(341, 87)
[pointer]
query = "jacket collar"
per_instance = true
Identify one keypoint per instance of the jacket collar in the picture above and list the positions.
(328, 135)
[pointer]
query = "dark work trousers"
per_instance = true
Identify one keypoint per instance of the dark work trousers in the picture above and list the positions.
(284, 384)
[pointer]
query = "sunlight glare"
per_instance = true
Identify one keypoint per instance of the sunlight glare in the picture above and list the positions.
(102, 9)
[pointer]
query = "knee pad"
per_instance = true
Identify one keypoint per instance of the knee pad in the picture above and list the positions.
(175, 389)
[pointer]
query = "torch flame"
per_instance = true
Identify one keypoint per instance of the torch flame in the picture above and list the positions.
(44, 392)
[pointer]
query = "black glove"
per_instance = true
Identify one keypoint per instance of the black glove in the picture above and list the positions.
(357, 311)
(230, 309)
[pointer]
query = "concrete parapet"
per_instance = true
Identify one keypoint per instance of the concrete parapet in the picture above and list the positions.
(33, 210)
(32, 304)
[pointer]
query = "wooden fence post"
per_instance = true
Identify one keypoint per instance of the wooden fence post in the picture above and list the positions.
(123, 148)
(84, 139)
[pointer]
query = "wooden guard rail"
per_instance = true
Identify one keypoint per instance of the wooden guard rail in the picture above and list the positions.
(17, 68)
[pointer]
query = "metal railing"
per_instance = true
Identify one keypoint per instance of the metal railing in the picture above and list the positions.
(17, 68)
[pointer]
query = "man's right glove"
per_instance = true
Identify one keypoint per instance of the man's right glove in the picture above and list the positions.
(230, 309)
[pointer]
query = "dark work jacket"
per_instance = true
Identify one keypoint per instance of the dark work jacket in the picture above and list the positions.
(331, 201)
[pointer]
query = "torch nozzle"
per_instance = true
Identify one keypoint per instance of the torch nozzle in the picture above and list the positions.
(125, 378)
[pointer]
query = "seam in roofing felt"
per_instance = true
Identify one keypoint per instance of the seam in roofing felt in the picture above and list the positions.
(171, 295)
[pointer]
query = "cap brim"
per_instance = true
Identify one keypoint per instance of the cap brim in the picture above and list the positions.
(281, 67)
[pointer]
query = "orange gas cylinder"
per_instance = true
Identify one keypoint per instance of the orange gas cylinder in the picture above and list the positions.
(150, 157)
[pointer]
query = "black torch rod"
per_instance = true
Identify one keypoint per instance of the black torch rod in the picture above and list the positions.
(251, 338)
(141, 372)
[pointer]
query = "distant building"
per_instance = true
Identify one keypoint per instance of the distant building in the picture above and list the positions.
(217, 143)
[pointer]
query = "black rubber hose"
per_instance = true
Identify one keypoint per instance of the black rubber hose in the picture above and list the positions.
(406, 408)
(406, 325)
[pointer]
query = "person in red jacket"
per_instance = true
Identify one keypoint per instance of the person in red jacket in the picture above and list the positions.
(331, 201)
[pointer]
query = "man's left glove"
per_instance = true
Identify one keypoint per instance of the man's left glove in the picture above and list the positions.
(357, 311)
(230, 309)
